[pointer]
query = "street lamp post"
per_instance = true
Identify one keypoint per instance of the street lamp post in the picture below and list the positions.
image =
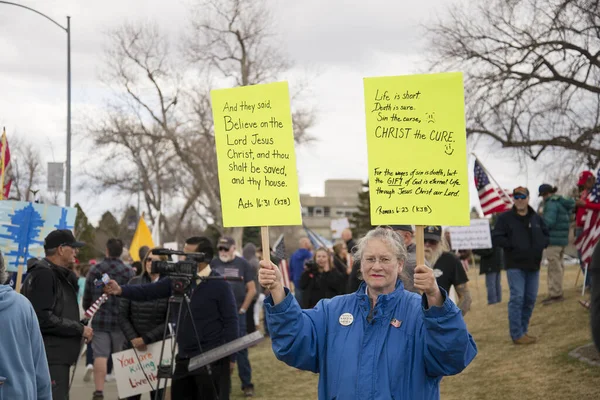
(68, 30)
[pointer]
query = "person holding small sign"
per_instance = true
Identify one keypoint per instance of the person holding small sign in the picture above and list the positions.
(143, 322)
(381, 342)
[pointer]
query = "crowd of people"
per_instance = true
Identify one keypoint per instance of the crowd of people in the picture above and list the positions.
(363, 314)
(57, 289)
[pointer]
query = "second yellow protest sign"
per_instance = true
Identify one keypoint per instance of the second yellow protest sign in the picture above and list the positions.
(416, 140)
(256, 158)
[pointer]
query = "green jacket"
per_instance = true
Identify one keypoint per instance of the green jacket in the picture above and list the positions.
(557, 216)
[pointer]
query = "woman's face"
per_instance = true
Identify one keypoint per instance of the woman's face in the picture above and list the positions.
(589, 184)
(149, 260)
(343, 251)
(380, 267)
(322, 258)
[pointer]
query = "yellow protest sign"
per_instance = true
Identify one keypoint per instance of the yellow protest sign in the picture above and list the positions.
(417, 151)
(256, 158)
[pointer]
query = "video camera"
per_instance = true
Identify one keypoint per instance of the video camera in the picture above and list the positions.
(311, 266)
(180, 272)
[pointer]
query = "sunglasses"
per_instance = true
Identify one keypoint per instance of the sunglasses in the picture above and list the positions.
(222, 249)
(520, 196)
(431, 242)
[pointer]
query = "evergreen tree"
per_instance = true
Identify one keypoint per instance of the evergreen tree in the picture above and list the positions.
(129, 224)
(108, 228)
(360, 221)
(85, 232)
(251, 235)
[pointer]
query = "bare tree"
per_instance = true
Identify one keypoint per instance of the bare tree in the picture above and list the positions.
(234, 39)
(532, 72)
(162, 125)
(27, 170)
(135, 131)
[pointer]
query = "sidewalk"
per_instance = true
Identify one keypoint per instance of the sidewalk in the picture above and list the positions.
(83, 390)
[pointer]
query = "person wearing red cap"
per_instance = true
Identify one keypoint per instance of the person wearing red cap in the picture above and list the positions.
(585, 184)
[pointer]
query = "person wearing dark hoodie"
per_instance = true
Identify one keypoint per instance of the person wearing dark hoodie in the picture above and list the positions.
(52, 290)
(24, 370)
(557, 217)
(297, 263)
(249, 254)
(523, 235)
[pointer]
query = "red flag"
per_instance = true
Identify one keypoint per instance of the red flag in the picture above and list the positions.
(493, 199)
(6, 176)
(591, 227)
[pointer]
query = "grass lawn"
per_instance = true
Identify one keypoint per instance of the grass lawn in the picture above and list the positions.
(501, 370)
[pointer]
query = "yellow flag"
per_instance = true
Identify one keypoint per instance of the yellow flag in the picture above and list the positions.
(141, 238)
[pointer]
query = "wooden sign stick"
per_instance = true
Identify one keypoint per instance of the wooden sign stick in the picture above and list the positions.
(420, 242)
(19, 278)
(266, 250)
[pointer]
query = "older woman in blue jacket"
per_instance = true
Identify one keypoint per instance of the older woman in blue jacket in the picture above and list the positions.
(381, 342)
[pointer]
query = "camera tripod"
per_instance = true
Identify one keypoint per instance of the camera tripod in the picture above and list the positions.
(179, 287)
(179, 296)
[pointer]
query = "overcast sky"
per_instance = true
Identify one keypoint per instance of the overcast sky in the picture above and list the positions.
(342, 41)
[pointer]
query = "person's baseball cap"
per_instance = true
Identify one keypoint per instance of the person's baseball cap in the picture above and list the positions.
(433, 233)
(584, 176)
(405, 228)
(521, 190)
(61, 237)
(225, 242)
(544, 189)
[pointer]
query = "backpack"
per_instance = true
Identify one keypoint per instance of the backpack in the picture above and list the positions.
(26, 287)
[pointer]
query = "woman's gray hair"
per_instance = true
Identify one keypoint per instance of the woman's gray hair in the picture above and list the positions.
(3, 273)
(386, 235)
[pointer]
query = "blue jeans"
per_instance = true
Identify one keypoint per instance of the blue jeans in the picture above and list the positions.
(523, 287)
(494, 289)
(244, 368)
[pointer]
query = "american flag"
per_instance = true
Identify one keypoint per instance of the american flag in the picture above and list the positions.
(279, 250)
(493, 199)
(591, 227)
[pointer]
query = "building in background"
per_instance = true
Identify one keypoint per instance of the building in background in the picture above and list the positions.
(340, 201)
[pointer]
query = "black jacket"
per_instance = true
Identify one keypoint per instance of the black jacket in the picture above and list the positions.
(595, 308)
(52, 290)
(492, 260)
(353, 282)
(523, 239)
(145, 319)
(213, 309)
(320, 285)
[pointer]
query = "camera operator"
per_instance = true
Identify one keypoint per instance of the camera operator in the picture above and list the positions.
(215, 315)
(321, 279)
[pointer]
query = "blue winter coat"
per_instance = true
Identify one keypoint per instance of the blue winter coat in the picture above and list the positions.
(401, 354)
(557, 216)
(23, 363)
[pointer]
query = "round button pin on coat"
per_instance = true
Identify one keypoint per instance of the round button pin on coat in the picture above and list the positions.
(346, 319)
